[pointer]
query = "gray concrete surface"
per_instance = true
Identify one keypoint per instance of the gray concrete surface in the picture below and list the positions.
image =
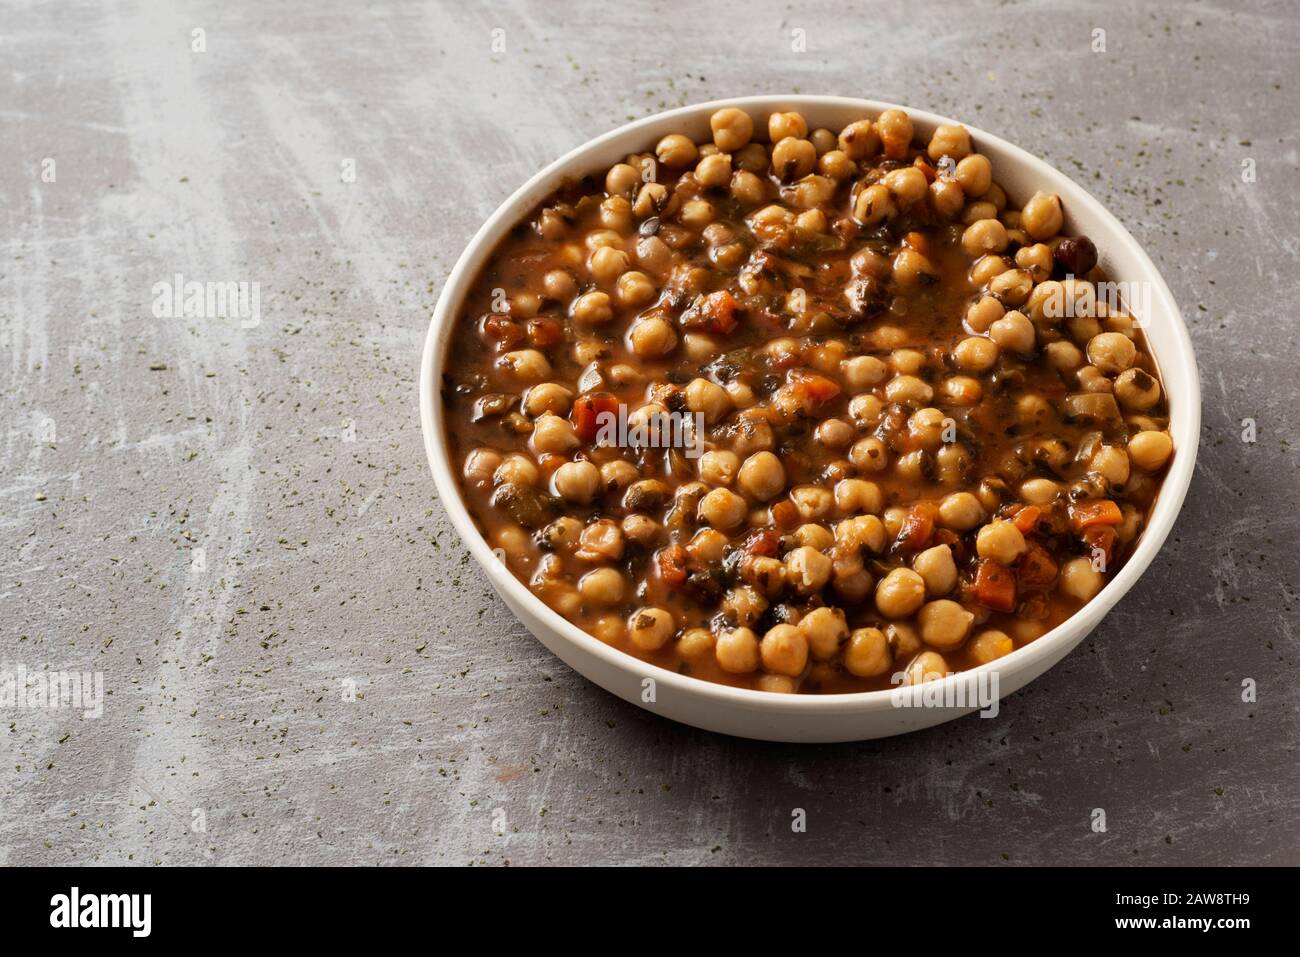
(289, 452)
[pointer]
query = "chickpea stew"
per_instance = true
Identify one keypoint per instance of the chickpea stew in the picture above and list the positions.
(919, 436)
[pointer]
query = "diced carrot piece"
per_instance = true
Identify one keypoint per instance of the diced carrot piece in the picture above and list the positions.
(995, 586)
(927, 168)
(812, 388)
(671, 560)
(721, 308)
(1036, 567)
(589, 412)
(544, 333)
(918, 527)
(1027, 518)
(502, 330)
(1094, 511)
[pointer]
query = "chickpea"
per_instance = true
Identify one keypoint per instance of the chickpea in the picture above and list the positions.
(722, 508)
(990, 646)
(944, 624)
(984, 313)
(737, 651)
(747, 188)
(652, 337)
(1137, 389)
(807, 569)
(775, 684)
(526, 365)
(975, 354)
(697, 213)
(824, 629)
(1039, 491)
(602, 586)
(695, 643)
(784, 651)
(480, 465)
(576, 482)
(1112, 463)
(987, 268)
(950, 140)
(927, 666)
(907, 185)
(863, 531)
(946, 197)
(654, 255)
(518, 469)
(937, 568)
(676, 151)
(869, 454)
(1012, 287)
(835, 165)
(834, 433)
(732, 129)
(975, 175)
(652, 199)
(618, 474)
(592, 308)
(867, 653)
(553, 434)
(1013, 333)
(559, 285)
(908, 390)
(708, 398)
(873, 205)
(621, 180)
(606, 265)
(863, 372)
(781, 125)
(857, 496)
(895, 129)
(1080, 580)
(718, 467)
(860, 140)
(633, 289)
(900, 593)
(761, 477)
(547, 397)
(1150, 450)
(650, 628)
(960, 511)
(1036, 260)
(1111, 352)
(1042, 217)
(714, 172)
(984, 236)
(823, 139)
(1063, 355)
(1000, 541)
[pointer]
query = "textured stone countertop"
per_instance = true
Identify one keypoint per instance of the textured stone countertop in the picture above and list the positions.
(290, 454)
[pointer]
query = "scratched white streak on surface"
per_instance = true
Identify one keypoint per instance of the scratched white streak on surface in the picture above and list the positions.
(342, 561)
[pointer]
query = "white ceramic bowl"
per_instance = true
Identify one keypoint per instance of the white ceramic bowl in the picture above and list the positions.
(846, 717)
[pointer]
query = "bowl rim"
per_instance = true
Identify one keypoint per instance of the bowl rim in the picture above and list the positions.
(1168, 505)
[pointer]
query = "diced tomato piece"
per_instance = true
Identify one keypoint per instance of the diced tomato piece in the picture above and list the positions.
(589, 413)
(763, 542)
(721, 308)
(1101, 537)
(671, 560)
(811, 388)
(1027, 518)
(945, 536)
(995, 586)
(925, 166)
(1036, 568)
(1094, 511)
(918, 527)
(544, 333)
(502, 330)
